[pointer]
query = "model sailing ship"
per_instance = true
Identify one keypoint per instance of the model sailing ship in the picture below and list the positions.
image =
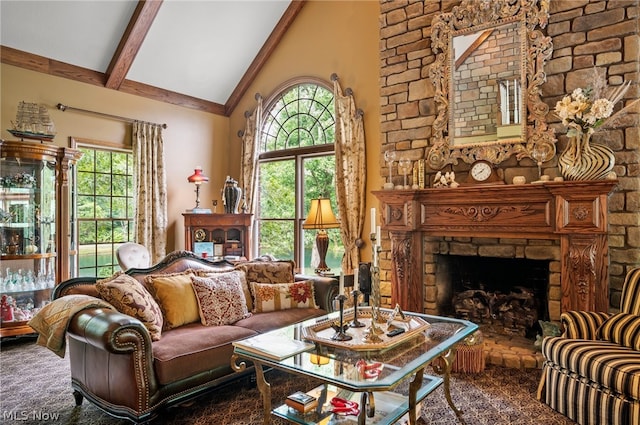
(33, 122)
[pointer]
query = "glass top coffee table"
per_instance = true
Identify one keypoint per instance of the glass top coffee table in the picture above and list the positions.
(384, 374)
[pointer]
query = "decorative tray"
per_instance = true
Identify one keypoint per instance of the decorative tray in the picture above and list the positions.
(322, 332)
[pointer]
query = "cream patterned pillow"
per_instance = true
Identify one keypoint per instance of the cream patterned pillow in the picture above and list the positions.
(282, 296)
(130, 297)
(220, 298)
(243, 280)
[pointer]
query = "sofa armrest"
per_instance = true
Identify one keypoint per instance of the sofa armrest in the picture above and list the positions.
(105, 337)
(110, 330)
(325, 288)
(582, 324)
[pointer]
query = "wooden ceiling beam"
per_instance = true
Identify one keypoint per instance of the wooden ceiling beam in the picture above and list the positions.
(131, 41)
(55, 68)
(263, 55)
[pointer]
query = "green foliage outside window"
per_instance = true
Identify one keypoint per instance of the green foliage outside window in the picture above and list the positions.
(104, 203)
(301, 117)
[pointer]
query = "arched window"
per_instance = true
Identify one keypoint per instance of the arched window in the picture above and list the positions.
(296, 164)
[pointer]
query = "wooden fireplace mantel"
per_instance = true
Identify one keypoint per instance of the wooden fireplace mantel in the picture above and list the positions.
(573, 212)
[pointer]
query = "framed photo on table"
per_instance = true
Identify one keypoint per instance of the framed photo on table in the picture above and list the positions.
(218, 250)
(204, 249)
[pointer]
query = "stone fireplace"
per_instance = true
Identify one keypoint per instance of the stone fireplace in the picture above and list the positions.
(564, 223)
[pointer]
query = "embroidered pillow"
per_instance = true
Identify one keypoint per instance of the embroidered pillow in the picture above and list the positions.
(220, 298)
(623, 329)
(176, 298)
(282, 296)
(243, 279)
(130, 297)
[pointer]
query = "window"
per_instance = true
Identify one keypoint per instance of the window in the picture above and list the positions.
(296, 164)
(104, 208)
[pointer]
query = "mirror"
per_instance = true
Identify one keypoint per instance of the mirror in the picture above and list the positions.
(487, 75)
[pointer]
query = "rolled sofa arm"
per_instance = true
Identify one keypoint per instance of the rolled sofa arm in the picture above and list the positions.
(110, 330)
(99, 336)
(325, 288)
(582, 324)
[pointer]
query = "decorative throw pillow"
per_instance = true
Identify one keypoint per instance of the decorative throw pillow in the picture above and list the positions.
(130, 297)
(623, 329)
(282, 296)
(243, 280)
(175, 295)
(220, 298)
(268, 271)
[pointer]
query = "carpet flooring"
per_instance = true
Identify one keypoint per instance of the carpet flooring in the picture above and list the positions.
(35, 389)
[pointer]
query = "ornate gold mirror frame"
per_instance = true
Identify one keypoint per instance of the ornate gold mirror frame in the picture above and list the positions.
(536, 141)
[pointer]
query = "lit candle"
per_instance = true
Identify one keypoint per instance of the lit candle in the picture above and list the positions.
(341, 287)
(373, 220)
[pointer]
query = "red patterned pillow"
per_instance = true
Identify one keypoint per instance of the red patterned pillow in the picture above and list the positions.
(220, 298)
(282, 296)
(130, 297)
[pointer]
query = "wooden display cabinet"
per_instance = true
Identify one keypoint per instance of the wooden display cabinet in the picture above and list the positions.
(219, 235)
(35, 234)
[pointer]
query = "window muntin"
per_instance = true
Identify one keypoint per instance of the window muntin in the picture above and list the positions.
(105, 208)
(296, 164)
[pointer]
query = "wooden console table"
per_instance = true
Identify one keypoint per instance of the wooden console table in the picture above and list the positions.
(573, 212)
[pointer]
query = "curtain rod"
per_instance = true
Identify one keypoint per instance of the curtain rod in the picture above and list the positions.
(63, 108)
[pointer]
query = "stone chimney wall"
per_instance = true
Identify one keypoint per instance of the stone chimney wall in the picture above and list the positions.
(604, 34)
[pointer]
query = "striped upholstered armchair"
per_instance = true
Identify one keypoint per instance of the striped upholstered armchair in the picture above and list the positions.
(592, 372)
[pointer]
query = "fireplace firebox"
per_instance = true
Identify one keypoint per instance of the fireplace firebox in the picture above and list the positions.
(504, 295)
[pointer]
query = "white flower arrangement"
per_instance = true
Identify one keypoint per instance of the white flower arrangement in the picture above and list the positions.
(586, 109)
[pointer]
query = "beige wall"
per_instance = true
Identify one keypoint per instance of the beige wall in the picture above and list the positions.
(192, 137)
(327, 37)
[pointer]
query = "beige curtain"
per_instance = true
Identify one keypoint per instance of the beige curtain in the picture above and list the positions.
(151, 189)
(250, 138)
(350, 174)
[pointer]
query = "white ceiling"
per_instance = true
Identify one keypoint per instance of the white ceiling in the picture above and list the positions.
(197, 48)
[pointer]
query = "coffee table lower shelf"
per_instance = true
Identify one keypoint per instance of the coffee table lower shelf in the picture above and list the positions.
(390, 406)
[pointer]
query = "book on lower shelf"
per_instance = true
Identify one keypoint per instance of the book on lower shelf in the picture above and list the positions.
(273, 345)
(301, 401)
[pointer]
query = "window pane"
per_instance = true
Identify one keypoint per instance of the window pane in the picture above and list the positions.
(85, 183)
(119, 208)
(86, 162)
(276, 238)
(119, 163)
(103, 184)
(105, 210)
(86, 232)
(319, 180)
(119, 187)
(277, 189)
(86, 207)
(103, 207)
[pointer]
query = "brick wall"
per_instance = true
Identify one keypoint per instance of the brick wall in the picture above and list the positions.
(585, 34)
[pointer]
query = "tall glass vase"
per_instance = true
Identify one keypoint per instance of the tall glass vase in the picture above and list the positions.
(583, 160)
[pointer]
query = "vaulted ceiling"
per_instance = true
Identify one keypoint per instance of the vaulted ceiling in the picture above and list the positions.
(198, 54)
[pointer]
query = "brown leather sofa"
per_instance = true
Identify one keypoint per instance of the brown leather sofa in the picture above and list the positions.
(116, 365)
